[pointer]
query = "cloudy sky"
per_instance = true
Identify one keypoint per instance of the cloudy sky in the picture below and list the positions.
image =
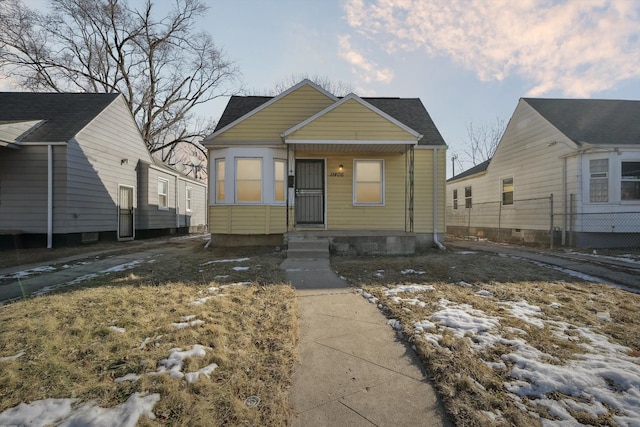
(469, 61)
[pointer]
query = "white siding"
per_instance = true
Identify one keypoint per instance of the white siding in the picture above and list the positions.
(537, 156)
(103, 156)
(23, 188)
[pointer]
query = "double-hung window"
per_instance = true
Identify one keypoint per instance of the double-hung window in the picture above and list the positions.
(368, 182)
(220, 179)
(248, 180)
(630, 182)
(599, 180)
(455, 199)
(188, 199)
(279, 170)
(507, 191)
(467, 197)
(163, 193)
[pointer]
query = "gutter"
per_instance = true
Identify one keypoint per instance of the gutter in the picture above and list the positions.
(436, 242)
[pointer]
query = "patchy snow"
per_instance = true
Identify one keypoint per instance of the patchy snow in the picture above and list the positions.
(26, 273)
(240, 268)
(465, 252)
(484, 293)
(604, 381)
(117, 329)
(216, 261)
(69, 412)
(14, 357)
(188, 321)
(412, 271)
(411, 288)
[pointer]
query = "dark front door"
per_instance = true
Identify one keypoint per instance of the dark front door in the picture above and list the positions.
(125, 222)
(309, 191)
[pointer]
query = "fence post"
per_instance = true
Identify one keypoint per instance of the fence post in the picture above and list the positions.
(572, 217)
(551, 221)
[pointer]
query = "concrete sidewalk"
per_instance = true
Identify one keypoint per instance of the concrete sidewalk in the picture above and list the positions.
(353, 371)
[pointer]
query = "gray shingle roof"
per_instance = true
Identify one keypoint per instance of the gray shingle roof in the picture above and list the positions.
(481, 167)
(595, 121)
(64, 114)
(408, 111)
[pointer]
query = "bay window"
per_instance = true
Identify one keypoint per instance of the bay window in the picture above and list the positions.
(248, 180)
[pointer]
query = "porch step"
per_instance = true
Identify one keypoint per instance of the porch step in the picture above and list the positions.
(308, 247)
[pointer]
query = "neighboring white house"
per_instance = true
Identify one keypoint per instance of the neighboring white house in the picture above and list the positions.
(567, 168)
(74, 169)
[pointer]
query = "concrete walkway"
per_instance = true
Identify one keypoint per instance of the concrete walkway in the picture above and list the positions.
(353, 371)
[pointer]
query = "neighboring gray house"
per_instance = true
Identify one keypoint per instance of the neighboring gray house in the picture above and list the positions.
(74, 169)
(568, 168)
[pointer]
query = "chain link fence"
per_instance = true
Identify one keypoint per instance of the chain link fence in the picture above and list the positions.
(538, 222)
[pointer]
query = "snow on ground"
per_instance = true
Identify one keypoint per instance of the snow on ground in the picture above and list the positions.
(605, 378)
(72, 412)
(26, 273)
(216, 261)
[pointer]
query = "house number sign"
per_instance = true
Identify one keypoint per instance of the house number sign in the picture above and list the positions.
(338, 174)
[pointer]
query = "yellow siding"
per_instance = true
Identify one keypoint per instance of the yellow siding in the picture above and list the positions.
(234, 219)
(267, 125)
(352, 121)
(342, 215)
(423, 191)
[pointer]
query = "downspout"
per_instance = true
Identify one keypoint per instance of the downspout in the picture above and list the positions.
(436, 242)
(175, 186)
(49, 196)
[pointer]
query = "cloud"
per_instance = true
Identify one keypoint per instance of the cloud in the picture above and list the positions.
(368, 70)
(576, 46)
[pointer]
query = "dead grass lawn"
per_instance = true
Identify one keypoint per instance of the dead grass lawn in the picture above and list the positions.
(72, 347)
(466, 384)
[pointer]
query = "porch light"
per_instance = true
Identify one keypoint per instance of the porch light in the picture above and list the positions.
(340, 168)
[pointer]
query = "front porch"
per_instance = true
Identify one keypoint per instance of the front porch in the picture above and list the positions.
(359, 242)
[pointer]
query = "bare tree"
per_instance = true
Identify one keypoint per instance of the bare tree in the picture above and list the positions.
(160, 64)
(482, 140)
(335, 87)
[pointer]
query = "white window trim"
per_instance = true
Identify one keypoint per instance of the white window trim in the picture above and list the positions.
(382, 183)
(454, 197)
(513, 192)
(470, 198)
(188, 198)
(284, 200)
(166, 207)
(235, 181)
(607, 177)
(216, 162)
(626, 201)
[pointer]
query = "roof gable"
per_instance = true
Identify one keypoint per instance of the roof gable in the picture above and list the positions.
(63, 115)
(369, 123)
(594, 121)
(241, 110)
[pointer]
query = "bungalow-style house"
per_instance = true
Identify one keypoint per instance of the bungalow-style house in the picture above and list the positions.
(566, 172)
(368, 173)
(74, 169)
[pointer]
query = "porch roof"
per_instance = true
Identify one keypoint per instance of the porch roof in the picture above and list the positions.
(350, 145)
